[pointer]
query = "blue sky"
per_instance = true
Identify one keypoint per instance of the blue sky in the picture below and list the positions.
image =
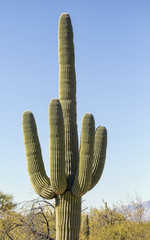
(112, 58)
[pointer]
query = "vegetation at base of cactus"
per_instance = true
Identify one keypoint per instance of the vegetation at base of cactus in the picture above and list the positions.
(86, 228)
(73, 172)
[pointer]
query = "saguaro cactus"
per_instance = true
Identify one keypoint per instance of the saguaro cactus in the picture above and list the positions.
(85, 226)
(73, 172)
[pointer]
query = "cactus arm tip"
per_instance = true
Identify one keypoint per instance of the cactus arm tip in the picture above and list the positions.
(100, 146)
(64, 14)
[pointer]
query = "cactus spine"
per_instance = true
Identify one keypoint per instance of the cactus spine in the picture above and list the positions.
(72, 172)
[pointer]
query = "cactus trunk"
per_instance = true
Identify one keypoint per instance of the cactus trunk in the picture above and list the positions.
(67, 94)
(68, 214)
(73, 172)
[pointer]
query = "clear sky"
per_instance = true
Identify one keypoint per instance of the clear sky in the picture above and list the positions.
(112, 58)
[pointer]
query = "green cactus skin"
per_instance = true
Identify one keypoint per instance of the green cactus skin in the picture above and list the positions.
(73, 172)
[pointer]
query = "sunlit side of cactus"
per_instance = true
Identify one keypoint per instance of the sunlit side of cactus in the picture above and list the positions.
(73, 172)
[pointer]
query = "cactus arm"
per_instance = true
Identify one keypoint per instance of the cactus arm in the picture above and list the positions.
(67, 95)
(57, 148)
(83, 176)
(99, 155)
(35, 166)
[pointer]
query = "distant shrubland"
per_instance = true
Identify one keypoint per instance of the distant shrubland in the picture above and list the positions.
(35, 220)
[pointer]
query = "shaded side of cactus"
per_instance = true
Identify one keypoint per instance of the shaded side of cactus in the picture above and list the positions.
(73, 172)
